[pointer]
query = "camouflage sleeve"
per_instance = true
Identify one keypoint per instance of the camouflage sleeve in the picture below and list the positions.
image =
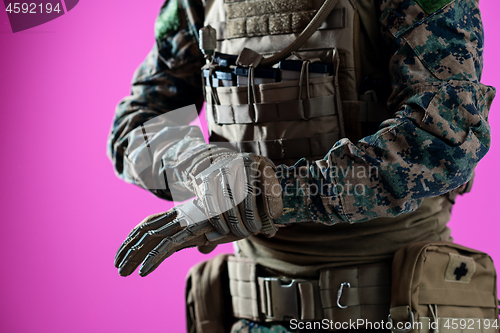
(436, 138)
(167, 80)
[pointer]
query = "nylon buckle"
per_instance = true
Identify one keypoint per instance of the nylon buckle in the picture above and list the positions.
(280, 298)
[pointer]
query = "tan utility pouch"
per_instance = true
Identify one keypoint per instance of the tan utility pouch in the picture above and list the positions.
(208, 303)
(443, 287)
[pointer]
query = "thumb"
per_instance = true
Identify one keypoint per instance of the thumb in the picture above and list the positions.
(206, 249)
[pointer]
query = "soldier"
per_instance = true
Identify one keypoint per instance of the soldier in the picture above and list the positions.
(390, 139)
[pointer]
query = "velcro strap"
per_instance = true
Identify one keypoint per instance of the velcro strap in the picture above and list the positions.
(289, 148)
(271, 24)
(190, 213)
(269, 17)
(273, 112)
(336, 20)
(249, 8)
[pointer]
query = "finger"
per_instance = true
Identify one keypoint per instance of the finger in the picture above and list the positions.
(192, 235)
(250, 213)
(136, 254)
(268, 227)
(270, 187)
(210, 204)
(206, 249)
(231, 214)
(150, 223)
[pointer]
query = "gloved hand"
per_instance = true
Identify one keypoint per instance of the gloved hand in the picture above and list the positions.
(239, 195)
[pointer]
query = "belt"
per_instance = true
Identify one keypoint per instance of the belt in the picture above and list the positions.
(340, 294)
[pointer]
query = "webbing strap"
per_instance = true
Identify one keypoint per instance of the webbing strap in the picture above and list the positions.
(289, 148)
(243, 289)
(273, 112)
(276, 299)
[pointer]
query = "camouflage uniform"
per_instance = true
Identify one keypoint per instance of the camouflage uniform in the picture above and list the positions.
(431, 146)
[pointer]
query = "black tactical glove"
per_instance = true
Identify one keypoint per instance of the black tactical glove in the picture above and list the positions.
(239, 195)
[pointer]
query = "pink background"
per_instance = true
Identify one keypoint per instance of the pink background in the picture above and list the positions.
(64, 213)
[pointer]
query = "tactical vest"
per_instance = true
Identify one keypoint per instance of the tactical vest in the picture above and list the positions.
(286, 121)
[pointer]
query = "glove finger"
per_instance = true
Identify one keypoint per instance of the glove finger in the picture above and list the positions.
(150, 223)
(211, 205)
(228, 205)
(270, 187)
(192, 235)
(136, 254)
(206, 249)
(250, 213)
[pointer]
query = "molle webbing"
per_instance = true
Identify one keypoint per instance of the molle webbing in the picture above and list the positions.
(277, 103)
(274, 106)
(262, 298)
(272, 112)
(274, 92)
(239, 9)
(271, 17)
(355, 112)
(268, 24)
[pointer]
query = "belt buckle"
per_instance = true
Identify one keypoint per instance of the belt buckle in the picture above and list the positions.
(281, 298)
